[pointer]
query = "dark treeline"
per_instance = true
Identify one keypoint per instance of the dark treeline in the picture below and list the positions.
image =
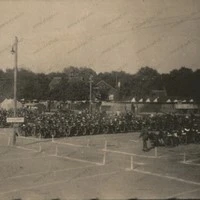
(73, 84)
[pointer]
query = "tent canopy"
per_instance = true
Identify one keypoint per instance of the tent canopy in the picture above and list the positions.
(141, 100)
(155, 100)
(148, 100)
(133, 100)
(8, 104)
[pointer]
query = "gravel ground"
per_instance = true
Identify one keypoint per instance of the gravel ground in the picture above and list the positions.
(109, 166)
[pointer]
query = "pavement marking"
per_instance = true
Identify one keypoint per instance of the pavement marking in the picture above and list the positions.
(24, 148)
(76, 159)
(192, 160)
(130, 154)
(58, 182)
(29, 138)
(65, 157)
(33, 140)
(47, 172)
(136, 141)
(190, 163)
(181, 193)
(69, 144)
(165, 176)
(24, 158)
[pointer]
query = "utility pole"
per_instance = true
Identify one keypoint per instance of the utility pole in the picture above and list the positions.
(15, 52)
(15, 76)
(91, 81)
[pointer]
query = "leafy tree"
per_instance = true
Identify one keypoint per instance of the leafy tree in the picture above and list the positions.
(74, 84)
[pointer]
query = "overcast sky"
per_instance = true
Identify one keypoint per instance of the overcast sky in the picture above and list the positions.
(105, 35)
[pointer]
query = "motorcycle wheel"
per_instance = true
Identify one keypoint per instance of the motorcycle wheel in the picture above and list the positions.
(76, 132)
(92, 130)
(106, 130)
(116, 129)
(97, 130)
(84, 131)
(21, 132)
(54, 134)
(68, 132)
(122, 129)
(43, 134)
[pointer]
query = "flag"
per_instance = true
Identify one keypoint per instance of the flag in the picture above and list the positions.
(13, 48)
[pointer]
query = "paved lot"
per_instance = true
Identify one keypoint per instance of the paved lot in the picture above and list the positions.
(100, 166)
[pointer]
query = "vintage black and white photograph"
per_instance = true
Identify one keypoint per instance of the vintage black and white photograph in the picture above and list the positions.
(99, 99)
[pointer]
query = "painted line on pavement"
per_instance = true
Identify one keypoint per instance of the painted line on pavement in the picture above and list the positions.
(130, 154)
(69, 144)
(76, 159)
(27, 149)
(192, 160)
(165, 176)
(190, 163)
(29, 138)
(136, 141)
(58, 182)
(46, 172)
(64, 157)
(24, 158)
(181, 193)
(33, 139)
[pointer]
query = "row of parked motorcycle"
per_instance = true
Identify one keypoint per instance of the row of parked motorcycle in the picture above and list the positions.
(77, 128)
(77, 124)
(175, 137)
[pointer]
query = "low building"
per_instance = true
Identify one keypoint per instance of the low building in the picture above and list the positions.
(116, 107)
(165, 105)
(106, 91)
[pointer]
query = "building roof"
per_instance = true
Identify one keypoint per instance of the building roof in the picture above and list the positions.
(103, 84)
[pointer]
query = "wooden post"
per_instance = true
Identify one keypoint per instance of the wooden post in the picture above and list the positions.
(156, 152)
(104, 158)
(52, 139)
(105, 146)
(131, 163)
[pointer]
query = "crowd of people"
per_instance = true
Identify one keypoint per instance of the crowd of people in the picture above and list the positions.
(171, 130)
(165, 130)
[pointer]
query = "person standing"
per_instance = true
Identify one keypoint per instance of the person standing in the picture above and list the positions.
(145, 137)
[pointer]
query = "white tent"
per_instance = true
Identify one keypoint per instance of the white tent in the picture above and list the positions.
(141, 100)
(168, 101)
(155, 100)
(148, 100)
(133, 100)
(184, 101)
(191, 100)
(175, 101)
(8, 104)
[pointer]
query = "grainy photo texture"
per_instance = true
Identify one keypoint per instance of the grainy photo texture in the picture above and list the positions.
(99, 99)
